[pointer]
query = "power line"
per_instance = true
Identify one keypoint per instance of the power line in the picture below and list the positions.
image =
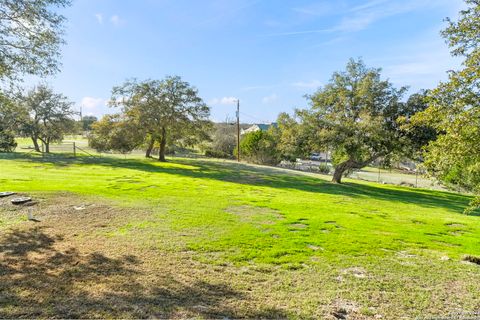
(254, 118)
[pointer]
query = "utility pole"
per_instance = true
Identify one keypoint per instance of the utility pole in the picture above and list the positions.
(238, 130)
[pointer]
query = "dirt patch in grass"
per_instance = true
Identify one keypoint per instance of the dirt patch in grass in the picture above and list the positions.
(406, 255)
(314, 247)
(343, 309)
(457, 233)
(357, 272)
(418, 221)
(298, 226)
(455, 224)
(63, 267)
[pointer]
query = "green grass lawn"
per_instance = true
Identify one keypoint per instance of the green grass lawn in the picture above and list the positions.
(282, 244)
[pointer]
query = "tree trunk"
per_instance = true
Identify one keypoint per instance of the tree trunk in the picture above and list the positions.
(148, 152)
(340, 170)
(47, 147)
(163, 143)
(350, 164)
(35, 144)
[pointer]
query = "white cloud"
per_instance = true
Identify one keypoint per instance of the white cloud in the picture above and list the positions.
(116, 20)
(99, 17)
(224, 101)
(311, 84)
(93, 103)
(269, 99)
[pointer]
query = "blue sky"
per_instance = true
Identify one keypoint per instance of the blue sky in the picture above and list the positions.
(267, 53)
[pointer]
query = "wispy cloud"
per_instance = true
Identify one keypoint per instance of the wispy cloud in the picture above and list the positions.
(269, 99)
(99, 17)
(116, 20)
(361, 17)
(223, 101)
(367, 5)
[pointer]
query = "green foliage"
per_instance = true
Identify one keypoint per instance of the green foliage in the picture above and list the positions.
(354, 115)
(167, 111)
(114, 133)
(416, 135)
(7, 141)
(212, 153)
(260, 147)
(292, 138)
(47, 115)
(224, 141)
(30, 37)
(324, 168)
(454, 108)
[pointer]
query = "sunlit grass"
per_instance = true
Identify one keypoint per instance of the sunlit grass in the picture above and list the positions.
(228, 214)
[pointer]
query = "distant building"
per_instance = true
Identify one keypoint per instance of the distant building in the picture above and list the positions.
(259, 127)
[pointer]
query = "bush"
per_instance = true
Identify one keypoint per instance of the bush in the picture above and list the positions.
(211, 153)
(224, 141)
(114, 133)
(260, 147)
(324, 168)
(7, 142)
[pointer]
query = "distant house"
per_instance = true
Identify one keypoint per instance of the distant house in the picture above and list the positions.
(259, 127)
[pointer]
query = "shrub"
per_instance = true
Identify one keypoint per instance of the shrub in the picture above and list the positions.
(217, 154)
(224, 141)
(324, 168)
(7, 141)
(260, 147)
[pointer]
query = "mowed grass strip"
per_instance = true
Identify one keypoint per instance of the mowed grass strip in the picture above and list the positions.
(297, 245)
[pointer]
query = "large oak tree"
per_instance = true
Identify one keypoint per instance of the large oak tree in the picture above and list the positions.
(47, 116)
(354, 116)
(166, 111)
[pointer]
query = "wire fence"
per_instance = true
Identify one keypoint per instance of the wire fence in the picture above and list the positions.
(411, 178)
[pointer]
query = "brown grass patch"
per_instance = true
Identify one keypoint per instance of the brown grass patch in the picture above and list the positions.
(63, 267)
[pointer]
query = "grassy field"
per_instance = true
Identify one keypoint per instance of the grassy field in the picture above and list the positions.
(203, 238)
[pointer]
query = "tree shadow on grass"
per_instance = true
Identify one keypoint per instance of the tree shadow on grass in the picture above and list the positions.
(37, 279)
(269, 177)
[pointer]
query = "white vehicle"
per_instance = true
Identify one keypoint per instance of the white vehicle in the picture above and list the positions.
(315, 157)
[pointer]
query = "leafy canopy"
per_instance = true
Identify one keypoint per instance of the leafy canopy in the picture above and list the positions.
(166, 111)
(47, 115)
(454, 107)
(30, 37)
(260, 147)
(355, 116)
